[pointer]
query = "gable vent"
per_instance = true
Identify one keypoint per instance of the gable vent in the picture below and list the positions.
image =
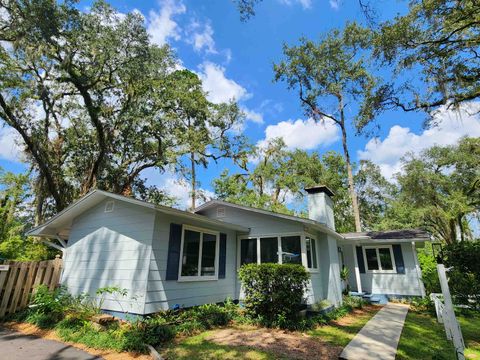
(109, 206)
(221, 212)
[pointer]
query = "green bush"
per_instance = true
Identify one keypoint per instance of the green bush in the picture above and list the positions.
(428, 265)
(48, 307)
(353, 302)
(464, 277)
(274, 292)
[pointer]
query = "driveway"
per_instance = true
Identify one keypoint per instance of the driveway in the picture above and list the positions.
(18, 346)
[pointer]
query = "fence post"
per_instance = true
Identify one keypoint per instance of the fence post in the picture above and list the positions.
(452, 327)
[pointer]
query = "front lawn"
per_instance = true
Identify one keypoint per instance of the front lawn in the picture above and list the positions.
(199, 347)
(340, 332)
(424, 338)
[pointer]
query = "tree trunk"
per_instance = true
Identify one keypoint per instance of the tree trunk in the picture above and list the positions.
(193, 181)
(351, 185)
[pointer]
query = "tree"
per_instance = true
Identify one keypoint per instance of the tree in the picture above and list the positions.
(439, 190)
(204, 130)
(86, 92)
(375, 194)
(439, 38)
(15, 215)
(332, 77)
(279, 176)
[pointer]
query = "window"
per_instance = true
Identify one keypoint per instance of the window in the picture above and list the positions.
(269, 250)
(248, 251)
(279, 250)
(311, 246)
(199, 251)
(379, 258)
(291, 250)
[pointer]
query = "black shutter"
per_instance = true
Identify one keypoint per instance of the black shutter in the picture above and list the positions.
(397, 254)
(223, 256)
(361, 263)
(174, 251)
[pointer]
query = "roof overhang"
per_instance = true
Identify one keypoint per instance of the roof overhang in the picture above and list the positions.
(386, 237)
(60, 224)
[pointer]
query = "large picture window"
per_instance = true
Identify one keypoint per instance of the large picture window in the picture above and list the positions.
(199, 254)
(279, 249)
(379, 258)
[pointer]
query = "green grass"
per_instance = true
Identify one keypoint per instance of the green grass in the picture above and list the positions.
(423, 338)
(341, 335)
(197, 347)
(470, 325)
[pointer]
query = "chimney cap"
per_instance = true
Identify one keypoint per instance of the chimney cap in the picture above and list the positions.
(319, 189)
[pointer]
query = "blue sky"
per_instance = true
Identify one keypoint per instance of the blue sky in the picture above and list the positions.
(235, 59)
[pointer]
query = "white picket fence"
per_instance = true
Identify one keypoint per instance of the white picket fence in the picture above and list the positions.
(446, 315)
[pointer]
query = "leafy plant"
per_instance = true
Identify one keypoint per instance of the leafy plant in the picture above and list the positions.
(274, 292)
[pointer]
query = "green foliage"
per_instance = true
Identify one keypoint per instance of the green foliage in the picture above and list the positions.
(428, 265)
(438, 191)
(436, 41)
(274, 292)
(464, 277)
(15, 217)
(353, 302)
(48, 307)
(106, 115)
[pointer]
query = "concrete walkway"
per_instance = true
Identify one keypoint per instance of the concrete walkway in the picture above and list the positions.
(378, 339)
(18, 346)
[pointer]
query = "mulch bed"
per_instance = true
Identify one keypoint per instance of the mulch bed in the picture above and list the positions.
(289, 344)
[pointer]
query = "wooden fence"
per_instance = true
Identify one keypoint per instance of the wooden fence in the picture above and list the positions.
(19, 279)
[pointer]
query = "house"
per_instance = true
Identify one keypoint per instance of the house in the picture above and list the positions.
(166, 257)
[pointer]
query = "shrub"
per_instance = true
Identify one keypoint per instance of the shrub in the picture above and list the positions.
(48, 307)
(354, 302)
(274, 292)
(428, 265)
(464, 278)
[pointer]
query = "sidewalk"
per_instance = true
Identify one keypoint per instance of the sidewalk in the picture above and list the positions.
(18, 346)
(378, 339)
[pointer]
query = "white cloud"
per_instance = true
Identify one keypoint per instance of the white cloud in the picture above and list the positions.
(219, 87)
(201, 37)
(253, 116)
(9, 149)
(302, 134)
(306, 4)
(451, 126)
(334, 4)
(160, 24)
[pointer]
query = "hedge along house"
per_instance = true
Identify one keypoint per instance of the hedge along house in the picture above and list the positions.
(166, 257)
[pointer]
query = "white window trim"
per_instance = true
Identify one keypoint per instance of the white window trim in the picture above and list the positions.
(303, 247)
(199, 277)
(315, 239)
(380, 270)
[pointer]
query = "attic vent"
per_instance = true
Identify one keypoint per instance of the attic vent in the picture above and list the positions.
(109, 206)
(220, 212)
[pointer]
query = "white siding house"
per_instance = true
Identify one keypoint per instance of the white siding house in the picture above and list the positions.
(167, 258)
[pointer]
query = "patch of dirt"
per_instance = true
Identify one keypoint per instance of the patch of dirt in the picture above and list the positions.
(293, 345)
(30, 329)
(355, 314)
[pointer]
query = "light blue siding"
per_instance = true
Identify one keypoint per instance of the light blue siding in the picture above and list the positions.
(162, 294)
(388, 283)
(330, 269)
(259, 224)
(111, 249)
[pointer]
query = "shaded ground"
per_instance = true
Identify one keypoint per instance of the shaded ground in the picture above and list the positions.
(32, 330)
(18, 346)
